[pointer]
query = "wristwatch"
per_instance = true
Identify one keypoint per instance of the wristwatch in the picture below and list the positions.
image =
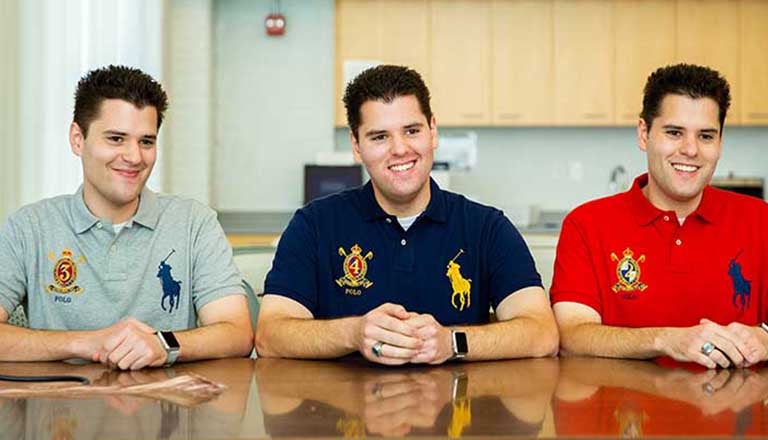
(764, 326)
(170, 345)
(459, 343)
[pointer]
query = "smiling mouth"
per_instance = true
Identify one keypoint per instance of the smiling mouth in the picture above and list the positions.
(685, 168)
(128, 173)
(399, 168)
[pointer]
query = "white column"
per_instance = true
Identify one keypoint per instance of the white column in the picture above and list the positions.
(188, 135)
(9, 107)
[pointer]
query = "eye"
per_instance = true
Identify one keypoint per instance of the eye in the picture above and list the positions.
(707, 137)
(413, 131)
(378, 137)
(147, 142)
(115, 139)
(674, 133)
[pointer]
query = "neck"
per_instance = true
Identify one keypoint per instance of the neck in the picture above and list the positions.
(405, 208)
(103, 209)
(682, 208)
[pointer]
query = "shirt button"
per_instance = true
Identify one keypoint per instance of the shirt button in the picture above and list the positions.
(98, 225)
(678, 242)
(113, 249)
(666, 218)
(389, 220)
(402, 242)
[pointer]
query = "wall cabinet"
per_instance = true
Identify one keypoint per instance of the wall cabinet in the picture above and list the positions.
(644, 39)
(557, 62)
(754, 62)
(460, 54)
(583, 62)
(393, 32)
(522, 68)
(708, 34)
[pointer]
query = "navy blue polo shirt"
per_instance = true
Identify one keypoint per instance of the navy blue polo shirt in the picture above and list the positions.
(344, 256)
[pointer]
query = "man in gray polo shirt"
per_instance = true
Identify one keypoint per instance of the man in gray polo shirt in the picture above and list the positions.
(116, 273)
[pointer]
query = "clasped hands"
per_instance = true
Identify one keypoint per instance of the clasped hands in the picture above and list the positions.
(713, 345)
(391, 335)
(127, 345)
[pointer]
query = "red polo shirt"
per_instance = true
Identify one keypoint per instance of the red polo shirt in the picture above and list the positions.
(638, 267)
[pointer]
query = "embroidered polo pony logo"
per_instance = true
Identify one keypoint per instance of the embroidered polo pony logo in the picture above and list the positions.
(460, 285)
(171, 287)
(742, 288)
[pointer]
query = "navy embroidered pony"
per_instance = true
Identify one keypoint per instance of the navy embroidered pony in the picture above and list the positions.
(171, 287)
(742, 289)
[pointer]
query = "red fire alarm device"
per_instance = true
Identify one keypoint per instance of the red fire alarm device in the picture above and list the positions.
(275, 24)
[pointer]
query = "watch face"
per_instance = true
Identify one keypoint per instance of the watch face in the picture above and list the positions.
(170, 339)
(461, 342)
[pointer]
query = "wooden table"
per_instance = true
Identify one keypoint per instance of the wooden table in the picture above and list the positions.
(350, 398)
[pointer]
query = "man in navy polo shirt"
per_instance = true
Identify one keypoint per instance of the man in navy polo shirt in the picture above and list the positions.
(399, 269)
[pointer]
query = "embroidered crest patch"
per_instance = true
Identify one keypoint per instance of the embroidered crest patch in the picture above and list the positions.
(355, 267)
(628, 272)
(65, 273)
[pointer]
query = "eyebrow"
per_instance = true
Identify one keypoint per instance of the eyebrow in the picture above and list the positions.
(124, 134)
(678, 127)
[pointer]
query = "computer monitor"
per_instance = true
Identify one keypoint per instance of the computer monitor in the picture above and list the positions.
(322, 180)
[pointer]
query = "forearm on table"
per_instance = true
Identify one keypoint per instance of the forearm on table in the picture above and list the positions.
(524, 336)
(306, 338)
(22, 344)
(217, 340)
(596, 339)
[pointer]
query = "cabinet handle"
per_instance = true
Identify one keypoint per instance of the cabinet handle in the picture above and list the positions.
(471, 115)
(510, 116)
(594, 115)
(758, 115)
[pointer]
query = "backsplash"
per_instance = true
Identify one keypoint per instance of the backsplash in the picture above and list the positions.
(559, 168)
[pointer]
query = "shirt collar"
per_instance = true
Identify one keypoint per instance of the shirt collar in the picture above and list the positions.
(437, 209)
(646, 213)
(147, 215)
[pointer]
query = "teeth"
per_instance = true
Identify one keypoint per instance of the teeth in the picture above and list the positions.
(684, 168)
(402, 167)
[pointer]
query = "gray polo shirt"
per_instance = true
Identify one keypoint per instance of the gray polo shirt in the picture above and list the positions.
(72, 272)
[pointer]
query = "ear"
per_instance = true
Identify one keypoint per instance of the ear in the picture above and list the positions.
(76, 139)
(642, 134)
(433, 131)
(355, 147)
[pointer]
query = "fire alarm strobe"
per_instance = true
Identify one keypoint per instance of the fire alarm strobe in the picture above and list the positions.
(275, 24)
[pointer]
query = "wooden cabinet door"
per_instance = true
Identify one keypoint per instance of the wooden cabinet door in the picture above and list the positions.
(754, 62)
(583, 62)
(645, 40)
(522, 75)
(708, 34)
(389, 31)
(460, 59)
(357, 38)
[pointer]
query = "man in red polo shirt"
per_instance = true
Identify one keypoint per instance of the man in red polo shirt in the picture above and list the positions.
(672, 267)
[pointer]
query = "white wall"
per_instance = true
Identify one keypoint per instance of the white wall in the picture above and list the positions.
(274, 102)
(518, 167)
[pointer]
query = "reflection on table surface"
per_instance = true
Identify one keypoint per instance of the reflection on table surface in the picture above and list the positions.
(351, 398)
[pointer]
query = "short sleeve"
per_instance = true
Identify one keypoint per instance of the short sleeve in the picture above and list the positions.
(574, 277)
(214, 273)
(13, 279)
(510, 262)
(294, 269)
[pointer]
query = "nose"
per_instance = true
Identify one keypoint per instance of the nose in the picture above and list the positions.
(690, 145)
(399, 145)
(131, 152)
